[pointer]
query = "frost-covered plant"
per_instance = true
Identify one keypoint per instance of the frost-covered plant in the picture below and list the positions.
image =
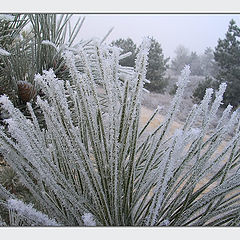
(88, 220)
(22, 214)
(28, 52)
(94, 164)
(10, 27)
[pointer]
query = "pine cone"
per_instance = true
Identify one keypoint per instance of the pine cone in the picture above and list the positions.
(26, 91)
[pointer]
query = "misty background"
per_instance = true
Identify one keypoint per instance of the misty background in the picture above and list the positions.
(195, 31)
(177, 40)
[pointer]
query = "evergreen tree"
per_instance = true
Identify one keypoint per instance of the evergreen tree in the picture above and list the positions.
(227, 56)
(208, 64)
(127, 45)
(156, 68)
(209, 70)
(181, 59)
(195, 64)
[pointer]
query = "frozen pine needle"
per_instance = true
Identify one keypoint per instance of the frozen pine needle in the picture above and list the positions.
(92, 164)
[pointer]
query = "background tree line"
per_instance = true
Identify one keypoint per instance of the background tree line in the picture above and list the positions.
(157, 63)
(200, 65)
(216, 65)
(227, 69)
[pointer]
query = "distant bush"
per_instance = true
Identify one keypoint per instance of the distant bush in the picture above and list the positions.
(200, 90)
(173, 90)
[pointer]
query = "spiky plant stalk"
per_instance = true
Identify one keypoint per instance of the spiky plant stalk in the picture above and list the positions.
(93, 164)
(10, 27)
(30, 55)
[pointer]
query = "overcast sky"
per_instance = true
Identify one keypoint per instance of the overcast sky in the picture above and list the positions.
(194, 31)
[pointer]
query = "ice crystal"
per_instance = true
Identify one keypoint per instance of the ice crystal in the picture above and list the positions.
(125, 55)
(88, 220)
(165, 222)
(6, 17)
(4, 100)
(27, 211)
(4, 52)
(49, 43)
(195, 131)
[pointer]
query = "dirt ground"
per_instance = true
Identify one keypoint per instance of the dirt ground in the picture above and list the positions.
(159, 118)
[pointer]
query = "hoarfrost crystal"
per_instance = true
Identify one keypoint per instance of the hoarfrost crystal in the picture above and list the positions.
(88, 220)
(30, 213)
(47, 42)
(6, 17)
(4, 52)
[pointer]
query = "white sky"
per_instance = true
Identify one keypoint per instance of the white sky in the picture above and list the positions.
(194, 31)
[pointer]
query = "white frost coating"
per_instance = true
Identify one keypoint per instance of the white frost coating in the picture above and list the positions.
(47, 42)
(195, 131)
(27, 211)
(146, 81)
(145, 90)
(125, 55)
(165, 222)
(88, 220)
(4, 99)
(88, 145)
(6, 17)
(159, 108)
(6, 104)
(184, 78)
(207, 96)
(218, 99)
(4, 52)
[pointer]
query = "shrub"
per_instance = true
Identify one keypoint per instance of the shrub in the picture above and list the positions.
(173, 89)
(93, 164)
(200, 90)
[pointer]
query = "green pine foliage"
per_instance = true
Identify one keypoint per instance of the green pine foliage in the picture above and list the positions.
(10, 29)
(127, 45)
(28, 55)
(36, 47)
(200, 90)
(157, 66)
(227, 56)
